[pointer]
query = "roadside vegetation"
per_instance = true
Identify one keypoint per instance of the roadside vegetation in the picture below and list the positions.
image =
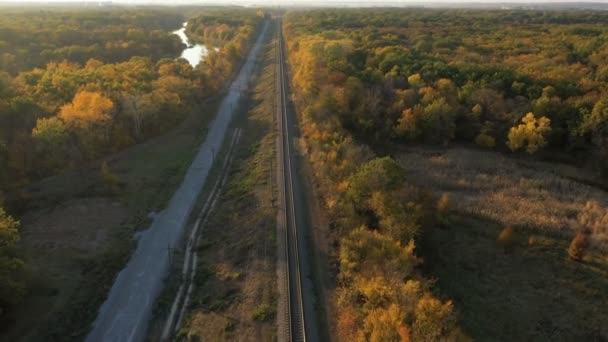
(382, 94)
(375, 215)
(235, 294)
(91, 145)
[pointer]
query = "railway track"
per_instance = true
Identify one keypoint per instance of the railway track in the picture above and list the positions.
(296, 327)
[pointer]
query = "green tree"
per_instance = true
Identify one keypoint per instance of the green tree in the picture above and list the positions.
(12, 268)
(399, 217)
(51, 138)
(110, 181)
(438, 120)
(379, 174)
(596, 124)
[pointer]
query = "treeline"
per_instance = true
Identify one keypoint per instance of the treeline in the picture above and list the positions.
(454, 75)
(66, 114)
(220, 26)
(229, 31)
(31, 38)
(375, 213)
(74, 113)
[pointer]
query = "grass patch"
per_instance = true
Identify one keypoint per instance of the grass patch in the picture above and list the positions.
(501, 251)
(535, 195)
(236, 270)
(531, 292)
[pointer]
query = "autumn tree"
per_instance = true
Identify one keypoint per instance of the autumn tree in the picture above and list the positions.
(530, 134)
(386, 324)
(137, 106)
(12, 268)
(399, 216)
(87, 116)
(596, 125)
(578, 246)
(443, 208)
(86, 110)
(438, 119)
(408, 124)
(415, 81)
(506, 239)
(368, 253)
(379, 174)
(434, 320)
(51, 137)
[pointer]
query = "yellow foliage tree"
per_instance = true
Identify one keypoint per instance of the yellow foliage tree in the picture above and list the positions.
(415, 81)
(369, 253)
(506, 239)
(530, 133)
(434, 319)
(86, 109)
(88, 116)
(386, 325)
(408, 124)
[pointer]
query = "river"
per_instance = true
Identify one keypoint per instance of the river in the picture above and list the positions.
(194, 54)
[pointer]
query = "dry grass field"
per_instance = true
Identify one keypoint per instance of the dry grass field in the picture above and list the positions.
(530, 195)
(530, 291)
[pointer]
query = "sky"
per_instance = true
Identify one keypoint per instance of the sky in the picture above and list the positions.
(313, 2)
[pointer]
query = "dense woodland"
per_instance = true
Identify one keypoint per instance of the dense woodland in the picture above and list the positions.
(441, 76)
(527, 82)
(77, 85)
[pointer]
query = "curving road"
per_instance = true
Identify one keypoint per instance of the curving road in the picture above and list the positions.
(125, 314)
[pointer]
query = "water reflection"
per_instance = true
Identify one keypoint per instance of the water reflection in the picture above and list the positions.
(194, 54)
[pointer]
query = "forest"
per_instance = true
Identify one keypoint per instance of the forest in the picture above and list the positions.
(372, 85)
(414, 76)
(78, 85)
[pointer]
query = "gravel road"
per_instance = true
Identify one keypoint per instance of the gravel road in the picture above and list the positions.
(125, 314)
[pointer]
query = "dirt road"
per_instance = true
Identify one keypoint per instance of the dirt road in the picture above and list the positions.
(125, 314)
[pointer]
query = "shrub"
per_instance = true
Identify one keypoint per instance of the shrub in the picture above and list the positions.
(505, 238)
(578, 247)
(444, 203)
(443, 206)
(109, 180)
(263, 313)
(485, 140)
